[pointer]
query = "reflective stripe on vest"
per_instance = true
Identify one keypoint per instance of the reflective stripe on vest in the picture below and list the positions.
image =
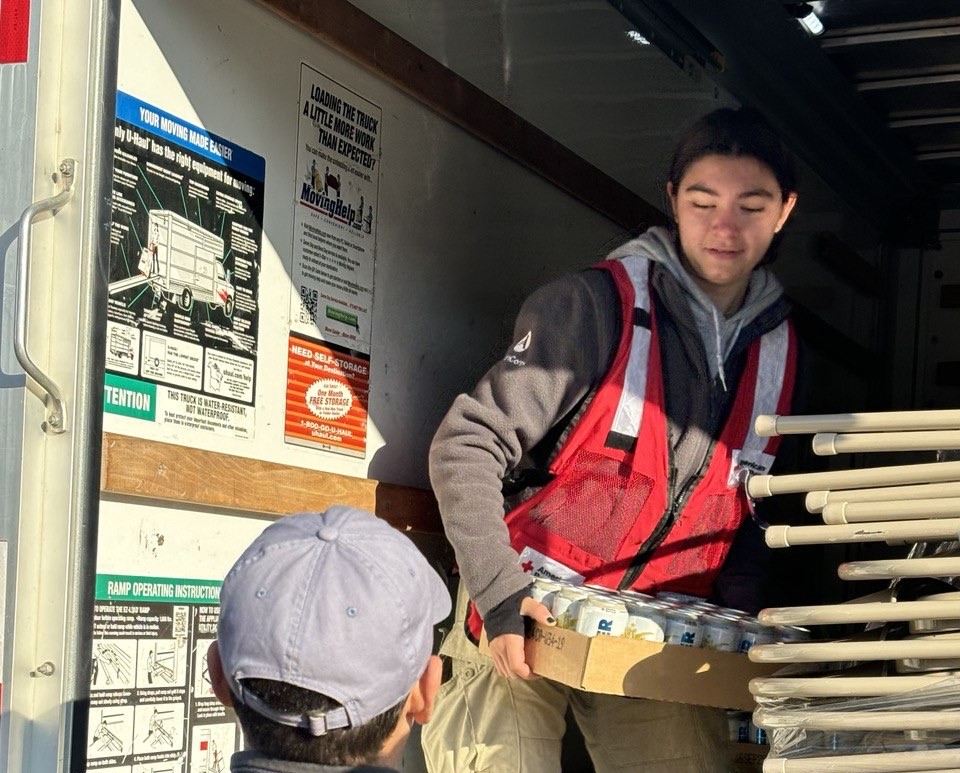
(753, 457)
(629, 413)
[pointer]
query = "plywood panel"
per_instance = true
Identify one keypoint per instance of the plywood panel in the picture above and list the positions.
(163, 471)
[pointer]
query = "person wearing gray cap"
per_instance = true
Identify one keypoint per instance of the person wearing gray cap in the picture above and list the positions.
(324, 644)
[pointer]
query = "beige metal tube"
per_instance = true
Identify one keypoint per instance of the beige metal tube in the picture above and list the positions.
(902, 567)
(909, 509)
(833, 443)
(895, 531)
(941, 760)
(845, 651)
(842, 686)
(890, 421)
(857, 720)
(817, 500)
(878, 612)
(768, 485)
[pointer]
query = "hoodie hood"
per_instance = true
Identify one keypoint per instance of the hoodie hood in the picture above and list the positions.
(719, 333)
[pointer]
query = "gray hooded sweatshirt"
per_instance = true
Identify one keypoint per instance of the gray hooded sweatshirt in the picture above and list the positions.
(565, 337)
(718, 333)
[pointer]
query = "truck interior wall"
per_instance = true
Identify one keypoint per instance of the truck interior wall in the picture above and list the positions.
(938, 364)
(463, 298)
(902, 325)
(575, 73)
(464, 233)
(569, 70)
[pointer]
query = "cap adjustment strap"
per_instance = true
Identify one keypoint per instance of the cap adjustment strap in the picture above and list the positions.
(321, 722)
(317, 723)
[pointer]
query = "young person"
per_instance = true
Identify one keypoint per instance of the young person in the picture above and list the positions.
(324, 644)
(620, 426)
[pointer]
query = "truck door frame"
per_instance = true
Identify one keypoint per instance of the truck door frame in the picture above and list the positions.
(69, 84)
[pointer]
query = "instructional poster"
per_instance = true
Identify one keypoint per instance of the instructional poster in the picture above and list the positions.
(151, 704)
(185, 253)
(334, 235)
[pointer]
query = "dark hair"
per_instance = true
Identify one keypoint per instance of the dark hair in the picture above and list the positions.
(734, 132)
(346, 747)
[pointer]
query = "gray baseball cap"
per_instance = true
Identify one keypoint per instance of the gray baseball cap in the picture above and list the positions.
(337, 602)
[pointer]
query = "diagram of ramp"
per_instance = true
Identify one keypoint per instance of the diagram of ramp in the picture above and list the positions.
(127, 284)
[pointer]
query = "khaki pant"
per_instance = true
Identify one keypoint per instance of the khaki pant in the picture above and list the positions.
(485, 723)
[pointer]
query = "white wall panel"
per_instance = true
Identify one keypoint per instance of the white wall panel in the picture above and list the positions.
(463, 233)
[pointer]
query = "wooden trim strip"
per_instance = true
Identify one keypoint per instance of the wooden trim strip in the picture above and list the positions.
(144, 468)
(362, 39)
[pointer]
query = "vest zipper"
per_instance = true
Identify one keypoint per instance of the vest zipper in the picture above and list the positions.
(659, 534)
(652, 542)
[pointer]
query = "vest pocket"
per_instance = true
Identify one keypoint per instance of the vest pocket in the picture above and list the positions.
(704, 545)
(593, 503)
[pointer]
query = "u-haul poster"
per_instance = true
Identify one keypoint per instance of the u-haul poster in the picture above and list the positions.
(334, 233)
(185, 249)
(334, 237)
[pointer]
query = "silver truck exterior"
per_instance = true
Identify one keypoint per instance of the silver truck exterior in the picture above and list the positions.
(55, 151)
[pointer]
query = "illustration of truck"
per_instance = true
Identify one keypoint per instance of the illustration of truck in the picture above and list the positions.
(183, 262)
(120, 346)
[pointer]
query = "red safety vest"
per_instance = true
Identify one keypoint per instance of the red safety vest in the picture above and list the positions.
(606, 503)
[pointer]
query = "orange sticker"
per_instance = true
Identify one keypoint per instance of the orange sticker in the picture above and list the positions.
(328, 387)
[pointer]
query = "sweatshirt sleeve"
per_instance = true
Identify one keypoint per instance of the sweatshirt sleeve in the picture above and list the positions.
(563, 338)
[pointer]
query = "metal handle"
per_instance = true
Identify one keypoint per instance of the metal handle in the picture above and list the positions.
(53, 401)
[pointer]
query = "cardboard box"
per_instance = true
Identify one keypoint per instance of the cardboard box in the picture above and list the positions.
(643, 669)
(747, 757)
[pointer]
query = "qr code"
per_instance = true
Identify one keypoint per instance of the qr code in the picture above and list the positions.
(308, 304)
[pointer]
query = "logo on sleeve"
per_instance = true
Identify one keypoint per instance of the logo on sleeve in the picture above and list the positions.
(524, 343)
(520, 346)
